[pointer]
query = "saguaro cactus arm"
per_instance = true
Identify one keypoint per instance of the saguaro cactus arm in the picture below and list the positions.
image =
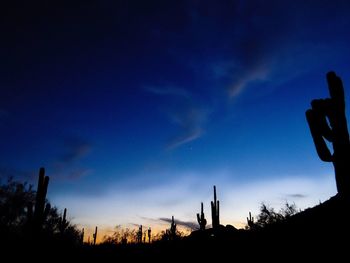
(333, 110)
(40, 198)
(95, 235)
(215, 212)
(250, 220)
(201, 219)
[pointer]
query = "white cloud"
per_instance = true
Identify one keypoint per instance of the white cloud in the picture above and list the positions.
(191, 122)
(240, 83)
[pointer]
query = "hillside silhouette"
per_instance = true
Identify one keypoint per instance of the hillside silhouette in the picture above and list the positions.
(31, 227)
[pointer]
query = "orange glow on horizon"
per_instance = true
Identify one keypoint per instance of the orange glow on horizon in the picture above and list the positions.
(105, 231)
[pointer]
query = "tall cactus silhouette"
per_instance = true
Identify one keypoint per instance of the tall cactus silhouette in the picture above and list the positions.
(63, 223)
(139, 235)
(172, 231)
(149, 234)
(37, 217)
(95, 235)
(82, 237)
(250, 221)
(215, 206)
(336, 132)
(201, 219)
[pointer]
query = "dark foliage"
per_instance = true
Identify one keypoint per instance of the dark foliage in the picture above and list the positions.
(268, 215)
(15, 219)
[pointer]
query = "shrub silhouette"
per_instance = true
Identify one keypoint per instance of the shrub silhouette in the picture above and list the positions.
(268, 215)
(14, 199)
(121, 236)
(20, 224)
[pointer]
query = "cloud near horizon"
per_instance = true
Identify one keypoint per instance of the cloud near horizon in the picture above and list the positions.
(191, 225)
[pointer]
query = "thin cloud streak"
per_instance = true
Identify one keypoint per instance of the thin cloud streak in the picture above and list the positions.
(168, 90)
(242, 82)
(76, 148)
(190, 119)
(297, 196)
(65, 167)
(186, 138)
(191, 122)
(186, 224)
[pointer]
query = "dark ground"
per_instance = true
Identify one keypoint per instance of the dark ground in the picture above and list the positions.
(318, 233)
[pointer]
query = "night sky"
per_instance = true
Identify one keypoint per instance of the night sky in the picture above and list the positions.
(137, 108)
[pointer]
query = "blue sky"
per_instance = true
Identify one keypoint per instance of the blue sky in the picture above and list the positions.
(137, 108)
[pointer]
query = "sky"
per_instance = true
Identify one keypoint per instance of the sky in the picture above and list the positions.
(137, 108)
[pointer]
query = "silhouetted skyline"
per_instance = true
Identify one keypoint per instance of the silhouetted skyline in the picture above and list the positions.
(136, 108)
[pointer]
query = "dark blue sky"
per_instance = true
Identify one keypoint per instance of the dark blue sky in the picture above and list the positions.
(136, 108)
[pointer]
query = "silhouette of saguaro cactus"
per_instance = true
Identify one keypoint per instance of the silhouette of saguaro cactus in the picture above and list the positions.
(172, 229)
(139, 234)
(201, 219)
(95, 236)
(37, 218)
(149, 235)
(82, 236)
(63, 223)
(336, 132)
(250, 221)
(215, 205)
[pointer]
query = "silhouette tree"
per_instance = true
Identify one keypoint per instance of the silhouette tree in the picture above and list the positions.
(269, 216)
(332, 110)
(121, 236)
(14, 199)
(17, 220)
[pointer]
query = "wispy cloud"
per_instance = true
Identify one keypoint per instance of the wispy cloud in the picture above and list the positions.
(168, 90)
(297, 195)
(75, 149)
(188, 116)
(189, 136)
(261, 39)
(241, 82)
(187, 224)
(78, 173)
(67, 165)
(191, 123)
